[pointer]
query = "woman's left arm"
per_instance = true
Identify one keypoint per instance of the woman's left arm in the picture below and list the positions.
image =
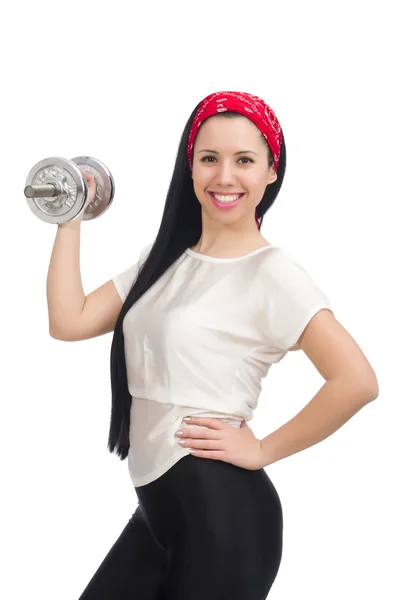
(350, 384)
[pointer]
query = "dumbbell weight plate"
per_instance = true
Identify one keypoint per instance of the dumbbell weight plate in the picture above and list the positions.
(105, 187)
(73, 183)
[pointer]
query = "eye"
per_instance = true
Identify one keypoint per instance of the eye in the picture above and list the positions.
(241, 158)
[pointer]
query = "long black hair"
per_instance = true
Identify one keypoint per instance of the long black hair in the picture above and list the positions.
(180, 228)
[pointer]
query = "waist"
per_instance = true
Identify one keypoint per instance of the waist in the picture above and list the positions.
(154, 417)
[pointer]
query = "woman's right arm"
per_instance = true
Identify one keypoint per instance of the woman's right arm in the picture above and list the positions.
(72, 315)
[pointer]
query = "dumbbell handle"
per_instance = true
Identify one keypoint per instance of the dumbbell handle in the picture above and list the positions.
(43, 191)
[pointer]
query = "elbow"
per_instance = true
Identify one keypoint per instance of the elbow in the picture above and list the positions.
(371, 387)
(373, 392)
(53, 330)
(359, 392)
(366, 384)
(368, 391)
(59, 334)
(55, 334)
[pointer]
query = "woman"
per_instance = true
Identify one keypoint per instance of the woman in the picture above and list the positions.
(216, 306)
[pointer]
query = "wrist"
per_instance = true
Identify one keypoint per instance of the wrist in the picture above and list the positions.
(74, 224)
(265, 453)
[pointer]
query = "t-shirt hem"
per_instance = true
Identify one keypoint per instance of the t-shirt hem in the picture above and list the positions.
(117, 285)
(156, 473)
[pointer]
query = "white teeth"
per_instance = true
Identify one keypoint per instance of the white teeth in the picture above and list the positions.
(225, 199)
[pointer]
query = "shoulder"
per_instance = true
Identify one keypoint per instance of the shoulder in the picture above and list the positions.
(282, 269)
(290, 297)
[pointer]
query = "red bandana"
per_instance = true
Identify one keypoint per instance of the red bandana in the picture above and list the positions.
(250, 106)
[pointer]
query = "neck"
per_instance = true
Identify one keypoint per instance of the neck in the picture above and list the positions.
(229, 242)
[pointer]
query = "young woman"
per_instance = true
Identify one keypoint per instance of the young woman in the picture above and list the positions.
(198, 320)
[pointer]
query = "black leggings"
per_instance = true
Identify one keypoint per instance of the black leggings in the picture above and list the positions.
(204, 530)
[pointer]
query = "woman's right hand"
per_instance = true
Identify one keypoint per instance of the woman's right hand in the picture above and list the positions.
(91, 192)
(91, 185)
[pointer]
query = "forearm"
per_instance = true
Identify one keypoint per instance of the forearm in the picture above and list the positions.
(334, 404)
(65, 294)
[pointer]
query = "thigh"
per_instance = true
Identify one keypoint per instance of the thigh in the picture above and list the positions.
(222, 527)
(133, 568)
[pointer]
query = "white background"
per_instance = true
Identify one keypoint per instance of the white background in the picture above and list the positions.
(118, 81)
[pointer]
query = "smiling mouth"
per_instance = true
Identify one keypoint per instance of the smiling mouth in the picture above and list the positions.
(225, 198)
(232, 200)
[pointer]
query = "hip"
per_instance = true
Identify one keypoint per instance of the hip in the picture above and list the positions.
(208, 498)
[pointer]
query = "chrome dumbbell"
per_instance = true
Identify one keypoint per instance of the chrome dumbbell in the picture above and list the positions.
(56, 189)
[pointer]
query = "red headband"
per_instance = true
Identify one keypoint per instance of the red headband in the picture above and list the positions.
(250, 106)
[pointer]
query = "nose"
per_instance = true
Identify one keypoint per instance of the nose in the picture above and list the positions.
(226, 174)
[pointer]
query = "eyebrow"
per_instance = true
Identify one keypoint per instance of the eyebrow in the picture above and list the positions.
(235, 154)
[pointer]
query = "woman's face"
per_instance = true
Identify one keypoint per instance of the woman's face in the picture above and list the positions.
(229, 159)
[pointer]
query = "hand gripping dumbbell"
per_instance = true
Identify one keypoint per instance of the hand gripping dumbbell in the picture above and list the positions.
(56, 189)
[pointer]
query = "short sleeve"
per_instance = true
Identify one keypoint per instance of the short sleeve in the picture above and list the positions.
(292, 298)
(124, 280)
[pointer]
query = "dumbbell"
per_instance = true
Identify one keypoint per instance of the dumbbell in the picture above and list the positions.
(56, 189)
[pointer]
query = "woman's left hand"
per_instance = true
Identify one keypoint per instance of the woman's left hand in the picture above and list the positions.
(223, 442)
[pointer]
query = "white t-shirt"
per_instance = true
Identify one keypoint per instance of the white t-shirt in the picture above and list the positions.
(200, 340)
